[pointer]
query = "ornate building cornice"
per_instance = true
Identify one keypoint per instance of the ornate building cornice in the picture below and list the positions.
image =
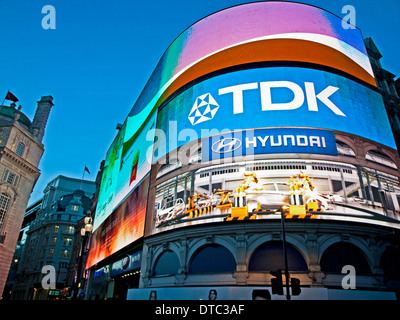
(18, 160)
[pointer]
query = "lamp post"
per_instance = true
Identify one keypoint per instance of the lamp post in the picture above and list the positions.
(278, 273)
(285, 259)
(85, 231)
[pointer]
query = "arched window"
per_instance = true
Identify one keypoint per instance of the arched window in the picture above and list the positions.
(212, 259)
(167, 263)
(380, 158)
(4, 204)
(390, 263)
(344, 149)
(196, 156)
(340, 254)
(171, 165)
(269, 257)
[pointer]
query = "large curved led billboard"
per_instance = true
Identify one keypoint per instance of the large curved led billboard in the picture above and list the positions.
(251, 33)
(273, 89)
(254, 132)
(275, 97)
(123, 171)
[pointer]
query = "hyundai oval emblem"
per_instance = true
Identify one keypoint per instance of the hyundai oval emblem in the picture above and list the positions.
(125, 262)
(226, 145)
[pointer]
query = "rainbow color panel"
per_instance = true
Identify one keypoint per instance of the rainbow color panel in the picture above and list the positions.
(250, 33)
(122, 227)
(124, 169)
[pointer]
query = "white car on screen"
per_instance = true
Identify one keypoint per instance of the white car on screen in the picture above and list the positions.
(273, 196)
(170, 210)
(276, 194)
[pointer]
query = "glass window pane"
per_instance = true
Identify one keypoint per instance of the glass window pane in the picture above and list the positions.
(167, 263)
(20, 149)
(4, 203)
(211, 259)
(269, 257)
(340, 254)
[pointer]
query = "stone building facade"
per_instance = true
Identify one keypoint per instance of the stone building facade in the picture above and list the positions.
(51, 238)
(21, 149)
(388, 87)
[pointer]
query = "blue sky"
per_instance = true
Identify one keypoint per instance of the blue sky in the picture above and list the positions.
(100, 56)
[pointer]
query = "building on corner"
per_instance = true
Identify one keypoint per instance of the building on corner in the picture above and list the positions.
(49, 239)
(21, 149)
(257, 114)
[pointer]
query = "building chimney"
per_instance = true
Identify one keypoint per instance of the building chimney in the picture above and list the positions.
(42, 114)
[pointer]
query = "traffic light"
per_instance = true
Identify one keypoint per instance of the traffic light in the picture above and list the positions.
(276, 283)
(295, 284)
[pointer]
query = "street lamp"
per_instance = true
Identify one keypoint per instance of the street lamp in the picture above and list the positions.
(85, 231)
(276, 283)
(88, 225)
(285, 259)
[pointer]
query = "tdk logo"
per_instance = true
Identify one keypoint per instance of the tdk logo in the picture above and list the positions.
(205, 106)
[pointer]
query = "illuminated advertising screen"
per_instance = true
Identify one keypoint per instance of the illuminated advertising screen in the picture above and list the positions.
(109, 180)
(263, 93)
(122, 227)
(278, 116)
(273, 97)
(122, 202)
(251, 33)
(262, 189)
(129, 262)
(267, 141)
(243, 293)
(125, 167)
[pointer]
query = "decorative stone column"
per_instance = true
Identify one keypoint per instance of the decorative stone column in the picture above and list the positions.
(241, 274)
(314, 269)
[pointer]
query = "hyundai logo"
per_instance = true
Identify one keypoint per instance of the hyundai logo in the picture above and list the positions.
(125, 262)
(226, 145)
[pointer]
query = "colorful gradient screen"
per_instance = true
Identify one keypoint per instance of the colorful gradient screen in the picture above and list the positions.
(263, 32)
(251, 33)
